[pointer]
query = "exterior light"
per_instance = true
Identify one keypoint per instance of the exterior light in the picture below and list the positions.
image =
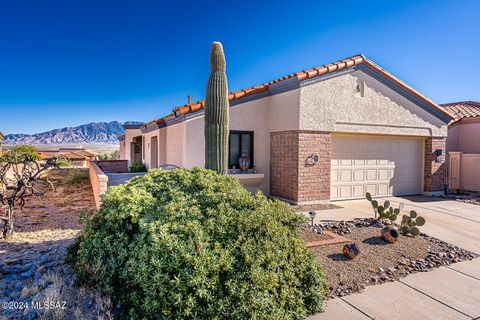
(312, 215)
(312, 160)
(438, 154)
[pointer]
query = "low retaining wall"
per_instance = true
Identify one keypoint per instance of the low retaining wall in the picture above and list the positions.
(113, 166)
(464, 171)
(99, 181)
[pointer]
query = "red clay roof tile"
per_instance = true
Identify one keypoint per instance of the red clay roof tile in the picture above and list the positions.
(462, 109)
(307, 74)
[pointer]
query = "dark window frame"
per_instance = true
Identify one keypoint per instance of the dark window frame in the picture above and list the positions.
(240, 132)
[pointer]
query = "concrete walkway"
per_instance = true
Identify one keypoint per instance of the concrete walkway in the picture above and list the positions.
(451, 292)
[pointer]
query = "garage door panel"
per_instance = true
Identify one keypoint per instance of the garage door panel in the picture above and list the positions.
(346, 175)
(380, 166)
(383, 174)
(358, 191)
(359, 175)
(345, 192)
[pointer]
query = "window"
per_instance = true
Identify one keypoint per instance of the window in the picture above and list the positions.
(240, 142)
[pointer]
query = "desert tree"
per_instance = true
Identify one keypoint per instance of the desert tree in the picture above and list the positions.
(21, 172)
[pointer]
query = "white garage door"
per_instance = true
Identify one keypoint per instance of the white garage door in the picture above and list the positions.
(381, 166)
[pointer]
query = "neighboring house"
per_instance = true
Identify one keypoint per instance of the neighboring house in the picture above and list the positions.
(463, 145)
(327, 133)
(77, 156)
(1, 141)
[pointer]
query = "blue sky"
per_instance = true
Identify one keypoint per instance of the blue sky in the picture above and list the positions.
(70, 62)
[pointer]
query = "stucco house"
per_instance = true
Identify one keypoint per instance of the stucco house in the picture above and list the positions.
(463, 145)
(328, 133)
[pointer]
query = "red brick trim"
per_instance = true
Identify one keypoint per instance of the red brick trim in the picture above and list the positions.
(434, 172)
(291, 177)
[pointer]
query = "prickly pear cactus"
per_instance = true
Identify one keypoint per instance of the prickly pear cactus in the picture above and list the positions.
(411, 222)
(216, 113)
(384, 211)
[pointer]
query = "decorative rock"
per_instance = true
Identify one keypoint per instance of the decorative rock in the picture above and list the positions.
(390, 234)
(350, 250)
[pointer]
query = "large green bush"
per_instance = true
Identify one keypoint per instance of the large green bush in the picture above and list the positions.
(190, 244)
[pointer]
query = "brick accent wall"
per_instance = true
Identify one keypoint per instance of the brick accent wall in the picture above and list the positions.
(291, 177)
(284, 164)
(435, 172)
(113, 166)
(314, 180)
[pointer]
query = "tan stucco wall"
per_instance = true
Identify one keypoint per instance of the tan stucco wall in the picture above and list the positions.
(129, 134)
(334, 105)
(249, 116)
(122, 150)
(284, 112)
(195, 143)
(147, 155)
(254, 116)
(162, 145)
(464, 136)
(175, 144)
(452, 138)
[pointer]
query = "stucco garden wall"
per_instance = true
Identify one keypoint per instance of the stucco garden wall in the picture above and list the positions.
(335, 105)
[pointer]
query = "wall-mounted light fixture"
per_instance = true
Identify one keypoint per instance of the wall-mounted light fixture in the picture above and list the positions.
(438, 155)
(312, 160)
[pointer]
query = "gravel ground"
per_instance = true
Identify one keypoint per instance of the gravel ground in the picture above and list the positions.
(32, 267)
(380, 261)
(467, 197)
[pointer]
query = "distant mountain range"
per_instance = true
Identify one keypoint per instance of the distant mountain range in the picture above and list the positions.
(95, 132)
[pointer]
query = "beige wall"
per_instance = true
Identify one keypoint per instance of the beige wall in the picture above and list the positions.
(464, 136)
(129, 134)
(123, 156)
(452, 138)
(147, 154)
(175, 144)
(284, 112)
(255, 116)
(334, 105)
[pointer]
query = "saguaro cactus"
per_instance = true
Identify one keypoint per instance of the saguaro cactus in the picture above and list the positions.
(216, 113)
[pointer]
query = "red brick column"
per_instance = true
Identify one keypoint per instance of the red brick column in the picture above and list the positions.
(291, 176)
(435, 172)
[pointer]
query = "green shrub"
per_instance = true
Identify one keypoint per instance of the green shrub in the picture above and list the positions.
(138, 166)
(190, 244)
(20, 153)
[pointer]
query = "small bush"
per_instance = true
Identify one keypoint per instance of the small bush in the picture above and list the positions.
(138, 166)
(188, 244)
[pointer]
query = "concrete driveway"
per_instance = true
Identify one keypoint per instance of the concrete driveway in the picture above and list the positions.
(451, 292)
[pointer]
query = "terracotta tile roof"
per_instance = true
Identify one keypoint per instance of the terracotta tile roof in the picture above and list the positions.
(307, 74)
(462, 109)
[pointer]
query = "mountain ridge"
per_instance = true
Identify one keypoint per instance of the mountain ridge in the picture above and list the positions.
(94, 132)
